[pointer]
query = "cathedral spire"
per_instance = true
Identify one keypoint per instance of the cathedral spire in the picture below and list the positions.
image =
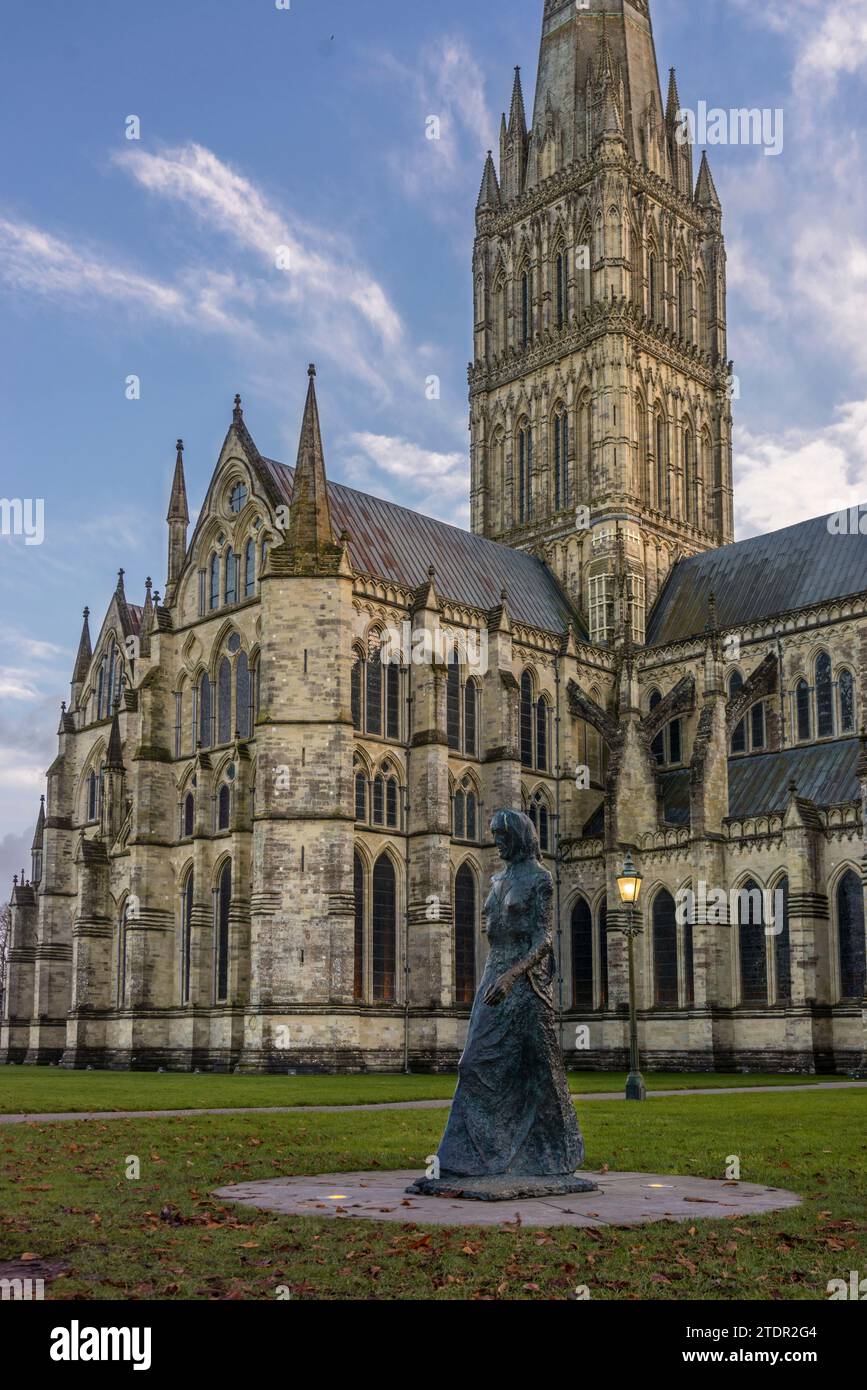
(706, 195)
(309, 545)
(673, 104)
(85, 652)
(178, 508)
(517, 115)
(489, 194)
(178, 519)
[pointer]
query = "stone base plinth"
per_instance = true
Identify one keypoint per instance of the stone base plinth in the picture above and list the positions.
(505, 1187)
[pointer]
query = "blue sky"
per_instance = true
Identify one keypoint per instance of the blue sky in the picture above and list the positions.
(305, 128)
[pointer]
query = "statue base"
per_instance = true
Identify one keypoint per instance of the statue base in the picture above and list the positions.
(500, 1187)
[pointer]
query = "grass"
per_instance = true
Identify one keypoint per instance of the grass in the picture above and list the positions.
(35, 1090)
(65, 1199)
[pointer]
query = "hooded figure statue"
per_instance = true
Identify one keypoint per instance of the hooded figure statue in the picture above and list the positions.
(512, 1117)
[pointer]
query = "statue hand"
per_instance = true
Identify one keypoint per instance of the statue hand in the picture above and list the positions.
(497, 992)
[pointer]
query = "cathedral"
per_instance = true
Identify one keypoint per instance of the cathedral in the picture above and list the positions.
(264, 844)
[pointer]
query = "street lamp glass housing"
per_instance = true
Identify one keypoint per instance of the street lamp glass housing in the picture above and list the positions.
(629, 883)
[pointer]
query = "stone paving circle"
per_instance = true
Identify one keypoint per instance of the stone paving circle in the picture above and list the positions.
(623, 1199)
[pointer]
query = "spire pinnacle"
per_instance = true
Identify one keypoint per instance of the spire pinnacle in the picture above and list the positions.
(489, 194)
(178, 509)
(705, 189)
(309, 544)
(85, 652)
(517, 115)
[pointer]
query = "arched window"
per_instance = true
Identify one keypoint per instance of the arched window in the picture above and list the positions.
(657, 748)
(112, 691)
(782, 943)
(189, 815)
(358, 884)
(846, 685)
(223, 902)
(360, 796)
(249, 569)
(682, 306)
(751, 937)
(374, 684)
(205, 719)
(231, 590)
(851, 937)
(525, 472)
(465, 935)
(384, 933)
(542, 733)
(224, 802)
(501, 316)
(126, 913)
(92, 798)
(603, 954)
(471, 708)
(453, 701)
(541, 817)
(392, 699)
(661, 466)
(224, 702)
(100, 691)
(824, 697)
(739, 737)
(802, 708)
(392, 801)
(379, 800)
(561, 290)
(243, 696)
(562, 490)
(582, 956)
(689, 481)
(465, 811)
(215, 581)
(359, 681)
(186, 936)
(527, 719)
(665, 973)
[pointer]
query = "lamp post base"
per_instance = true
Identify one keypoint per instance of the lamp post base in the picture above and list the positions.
(635, 1087)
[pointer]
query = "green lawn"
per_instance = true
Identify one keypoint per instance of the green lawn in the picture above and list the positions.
(34, 1090)
(64, 1198)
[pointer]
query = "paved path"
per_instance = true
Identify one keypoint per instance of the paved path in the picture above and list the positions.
(623, 1199)
(59, 1117)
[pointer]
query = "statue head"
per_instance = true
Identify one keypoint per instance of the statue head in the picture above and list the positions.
(515, 837)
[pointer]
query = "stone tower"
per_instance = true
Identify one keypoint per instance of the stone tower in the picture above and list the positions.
(600, 390)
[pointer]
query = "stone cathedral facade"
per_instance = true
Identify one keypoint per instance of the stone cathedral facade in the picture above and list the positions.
(264, 840)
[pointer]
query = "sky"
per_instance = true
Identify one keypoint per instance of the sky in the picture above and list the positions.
(297, 133)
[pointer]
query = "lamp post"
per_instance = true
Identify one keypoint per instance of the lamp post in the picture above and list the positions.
(629, 886)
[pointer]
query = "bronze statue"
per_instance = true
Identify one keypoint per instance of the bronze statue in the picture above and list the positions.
(512, 1129)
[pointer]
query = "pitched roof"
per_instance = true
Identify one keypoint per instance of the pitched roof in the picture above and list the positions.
(392, 543)
(824, 773)
(757, 578)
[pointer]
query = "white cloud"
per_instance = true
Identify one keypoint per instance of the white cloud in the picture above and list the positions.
(347, 313)
(439, 480)
(33, 260)
(782, 479)
(448, 84)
